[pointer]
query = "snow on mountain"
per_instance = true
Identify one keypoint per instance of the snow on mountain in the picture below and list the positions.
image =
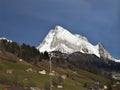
(60, 39)
(3, 38)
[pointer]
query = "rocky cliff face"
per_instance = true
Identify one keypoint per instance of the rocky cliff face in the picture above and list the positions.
(104, 53)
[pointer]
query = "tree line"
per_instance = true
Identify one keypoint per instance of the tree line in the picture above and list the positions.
(24, 51)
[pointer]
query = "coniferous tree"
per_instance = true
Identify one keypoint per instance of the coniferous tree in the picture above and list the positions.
(46, 56)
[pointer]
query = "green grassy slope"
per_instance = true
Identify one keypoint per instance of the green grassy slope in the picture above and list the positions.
(20, 77)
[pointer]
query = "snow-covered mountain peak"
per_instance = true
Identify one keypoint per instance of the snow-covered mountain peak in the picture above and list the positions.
(60, 39)
(59, 28)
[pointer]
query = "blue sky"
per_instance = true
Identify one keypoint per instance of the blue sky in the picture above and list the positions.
(29, 21)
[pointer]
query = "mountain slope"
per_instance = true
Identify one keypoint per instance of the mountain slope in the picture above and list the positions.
(60, 39)
(22, 78)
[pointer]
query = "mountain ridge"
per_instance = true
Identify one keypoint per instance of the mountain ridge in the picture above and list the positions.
(60, 39)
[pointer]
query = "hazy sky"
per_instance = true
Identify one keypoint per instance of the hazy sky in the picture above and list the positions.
(29, 21)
